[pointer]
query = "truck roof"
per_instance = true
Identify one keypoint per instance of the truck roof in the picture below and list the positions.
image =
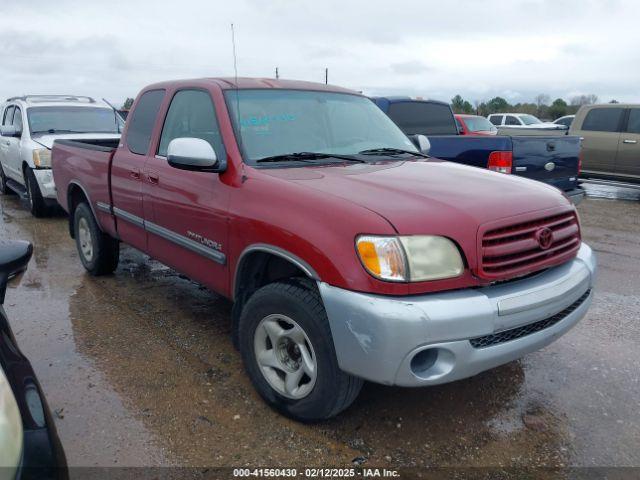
(231, 83)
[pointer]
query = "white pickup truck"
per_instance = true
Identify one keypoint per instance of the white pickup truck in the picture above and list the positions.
(30, 125)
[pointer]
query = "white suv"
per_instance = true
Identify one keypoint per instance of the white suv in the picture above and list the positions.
(30, 124)
(521, 120)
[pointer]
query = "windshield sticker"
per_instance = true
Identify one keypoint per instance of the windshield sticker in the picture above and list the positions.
(256, 121)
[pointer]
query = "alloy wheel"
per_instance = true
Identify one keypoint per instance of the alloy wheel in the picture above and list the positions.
(285, 356)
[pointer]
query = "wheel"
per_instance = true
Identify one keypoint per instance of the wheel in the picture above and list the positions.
(288, 352)
(4, 190)
(99, 253)
(36, 201)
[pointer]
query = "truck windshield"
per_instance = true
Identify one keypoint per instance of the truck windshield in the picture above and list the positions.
(479, 124)
(273, 122)
(44, 120)
(529, 119)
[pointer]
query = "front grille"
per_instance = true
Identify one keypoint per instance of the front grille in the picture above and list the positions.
(516, 250)
(519, 332)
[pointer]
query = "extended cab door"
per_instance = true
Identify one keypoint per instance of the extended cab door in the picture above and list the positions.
(188, 230)
(127, 167)
(628, 159)
(600, 131)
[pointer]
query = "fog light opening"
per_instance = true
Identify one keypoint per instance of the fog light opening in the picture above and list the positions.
(423, 361)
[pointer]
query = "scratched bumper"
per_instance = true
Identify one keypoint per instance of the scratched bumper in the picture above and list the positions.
(427, 339)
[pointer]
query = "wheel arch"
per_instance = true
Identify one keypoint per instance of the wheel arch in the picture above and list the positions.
(259, 265)
(76, 194)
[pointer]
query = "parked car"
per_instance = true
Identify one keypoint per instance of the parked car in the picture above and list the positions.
(550, 159)
(474, 125)
(521, 120)
(29, 445)
(610, 141)
(30, 124)
(348, 253)
(566, 120)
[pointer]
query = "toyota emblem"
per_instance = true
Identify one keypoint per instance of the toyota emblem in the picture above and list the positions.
(544, 236)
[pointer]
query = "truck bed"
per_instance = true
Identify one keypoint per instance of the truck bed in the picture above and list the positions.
(85, 164)
(532, 155)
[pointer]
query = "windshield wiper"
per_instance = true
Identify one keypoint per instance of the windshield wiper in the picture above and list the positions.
(307, 156)
(391, 151)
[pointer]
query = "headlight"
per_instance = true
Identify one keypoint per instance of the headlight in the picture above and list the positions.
(42, 157)
(10, 428)
(410, 259)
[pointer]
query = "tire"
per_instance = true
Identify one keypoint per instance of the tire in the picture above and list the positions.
(293, 304)
(37, 205)
(4, 190)
(99, 253)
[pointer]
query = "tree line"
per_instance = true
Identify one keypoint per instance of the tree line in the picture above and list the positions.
(542, 106)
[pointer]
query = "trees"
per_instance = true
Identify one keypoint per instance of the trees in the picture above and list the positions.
(460, 105)
(128, 103)
(580, 100)
(498, 104)
(558, 109)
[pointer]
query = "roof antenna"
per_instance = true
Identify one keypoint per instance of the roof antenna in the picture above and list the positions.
(235, 70)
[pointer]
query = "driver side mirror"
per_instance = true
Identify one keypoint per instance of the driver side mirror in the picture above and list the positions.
(422, 142)
(10, 131)
(194, 154)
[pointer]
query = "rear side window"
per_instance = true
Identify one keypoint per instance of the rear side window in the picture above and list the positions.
(142, 121)
(634, 121)
(8, 115)
(511, 120)
(424, 118)
(603, 120)
(191, 114)
(496, 119)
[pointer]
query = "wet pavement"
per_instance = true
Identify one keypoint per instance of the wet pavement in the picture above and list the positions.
(140, 370)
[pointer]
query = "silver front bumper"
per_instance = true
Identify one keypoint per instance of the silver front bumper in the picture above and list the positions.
(425, 339)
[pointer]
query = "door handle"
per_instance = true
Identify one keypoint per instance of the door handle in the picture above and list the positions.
(135, 174)
(626, 140)
(154, 178)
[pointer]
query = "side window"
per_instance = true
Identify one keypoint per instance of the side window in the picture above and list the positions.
(634, 121)
(511, 120)
(191, 114)
(496, 119)
(423, 117)
(17, 120)
(603, 120)
(143, 120)
(8, 115)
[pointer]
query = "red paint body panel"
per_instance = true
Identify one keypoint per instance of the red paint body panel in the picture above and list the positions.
(314, 213)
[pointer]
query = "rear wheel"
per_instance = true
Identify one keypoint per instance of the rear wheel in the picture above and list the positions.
(99, 253)
(37, 205)
(4, 190)
(288, 352)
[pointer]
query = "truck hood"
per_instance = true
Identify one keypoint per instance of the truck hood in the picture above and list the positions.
(47, 140)
(429, 197)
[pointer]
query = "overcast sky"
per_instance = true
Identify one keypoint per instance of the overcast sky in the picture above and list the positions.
(513, 48)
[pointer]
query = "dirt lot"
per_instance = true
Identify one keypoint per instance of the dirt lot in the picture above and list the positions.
(140, 370)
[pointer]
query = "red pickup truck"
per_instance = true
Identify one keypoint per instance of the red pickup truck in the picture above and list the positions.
(349, 254)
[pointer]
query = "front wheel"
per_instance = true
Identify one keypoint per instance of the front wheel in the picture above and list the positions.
(37, 205)
(4, 190)
(99, 253)
(287, 349)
